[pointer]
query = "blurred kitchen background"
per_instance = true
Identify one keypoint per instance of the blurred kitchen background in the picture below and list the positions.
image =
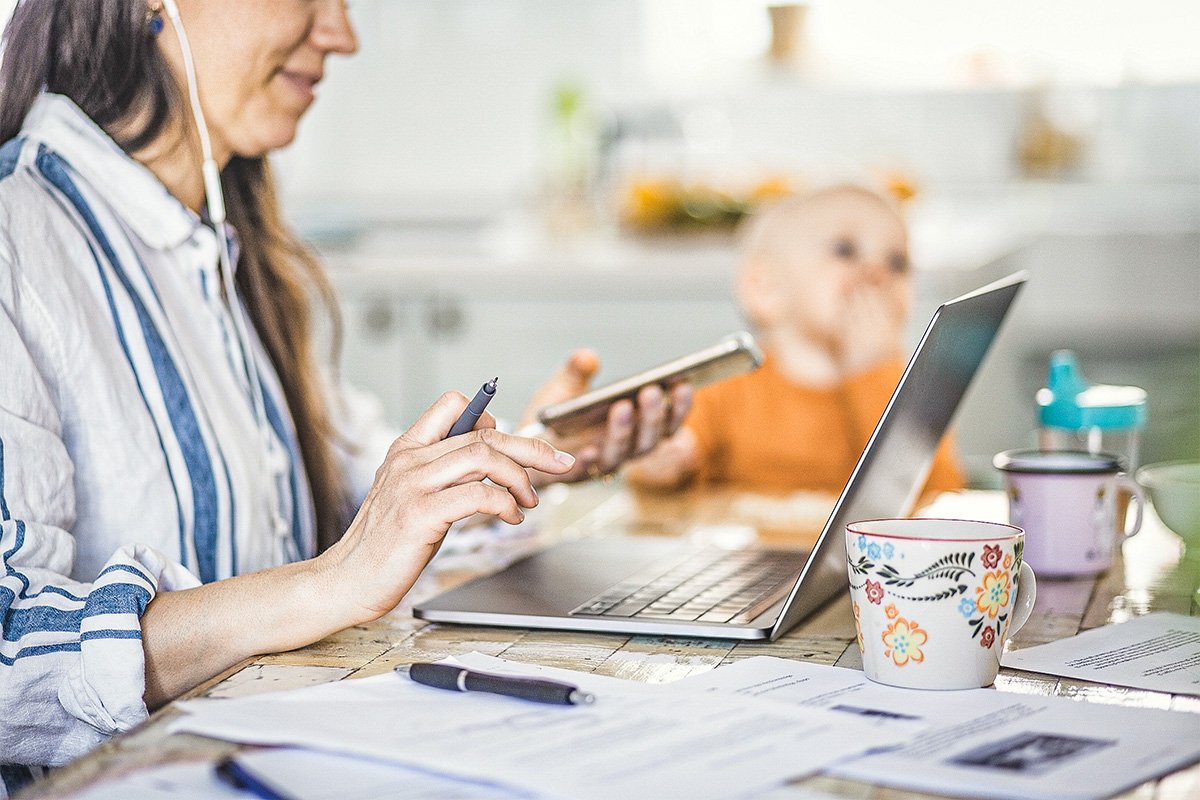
(495, 182)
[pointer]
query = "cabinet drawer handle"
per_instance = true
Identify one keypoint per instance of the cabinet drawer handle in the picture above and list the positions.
(378, 319)
(446, 317)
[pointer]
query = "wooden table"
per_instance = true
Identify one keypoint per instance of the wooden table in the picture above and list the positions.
(1151, 576)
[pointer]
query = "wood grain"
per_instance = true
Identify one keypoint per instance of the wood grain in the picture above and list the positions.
(1151, 576)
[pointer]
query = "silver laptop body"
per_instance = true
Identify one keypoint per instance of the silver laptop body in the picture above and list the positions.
(630, 584)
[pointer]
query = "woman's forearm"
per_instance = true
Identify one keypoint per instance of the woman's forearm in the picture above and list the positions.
(426, 483)
(195, 634)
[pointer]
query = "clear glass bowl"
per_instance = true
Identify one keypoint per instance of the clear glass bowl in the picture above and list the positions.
(1174, 489)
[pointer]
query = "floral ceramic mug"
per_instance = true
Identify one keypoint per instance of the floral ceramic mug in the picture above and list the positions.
(935, 599)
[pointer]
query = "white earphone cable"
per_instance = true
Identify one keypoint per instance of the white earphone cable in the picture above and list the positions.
(215, 197)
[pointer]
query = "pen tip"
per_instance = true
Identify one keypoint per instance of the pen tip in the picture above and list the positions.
(580, 698)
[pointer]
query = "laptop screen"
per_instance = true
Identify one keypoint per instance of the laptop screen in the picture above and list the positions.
(896, 461)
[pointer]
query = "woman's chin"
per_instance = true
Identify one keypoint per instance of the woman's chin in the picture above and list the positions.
(270, 138)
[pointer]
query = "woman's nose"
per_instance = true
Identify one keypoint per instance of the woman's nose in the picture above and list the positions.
(332, 32)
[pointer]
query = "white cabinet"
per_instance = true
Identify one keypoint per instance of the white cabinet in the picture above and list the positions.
(408, 336)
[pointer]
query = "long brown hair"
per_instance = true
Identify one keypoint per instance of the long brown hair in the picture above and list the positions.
(100, 54)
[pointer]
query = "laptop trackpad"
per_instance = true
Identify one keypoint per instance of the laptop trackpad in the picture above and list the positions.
(557, 580)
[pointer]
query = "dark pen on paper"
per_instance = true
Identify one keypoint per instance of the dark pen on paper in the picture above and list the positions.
(461, 679)
(232, 773)
(474, 410)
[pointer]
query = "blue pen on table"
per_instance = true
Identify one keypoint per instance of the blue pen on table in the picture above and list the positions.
(461, 679)
(474, 409)
(232, 773)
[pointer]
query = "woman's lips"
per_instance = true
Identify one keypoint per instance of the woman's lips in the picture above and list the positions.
(303, 84)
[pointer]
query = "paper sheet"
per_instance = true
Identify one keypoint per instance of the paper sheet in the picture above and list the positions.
(301, 774)
(981, 742)
(1160, 652)
(636, 740)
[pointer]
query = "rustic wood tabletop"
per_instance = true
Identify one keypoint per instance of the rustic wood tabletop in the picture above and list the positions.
(1152, 575)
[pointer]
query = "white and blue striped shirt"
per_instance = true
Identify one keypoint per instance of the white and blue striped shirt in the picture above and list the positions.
(130, 457)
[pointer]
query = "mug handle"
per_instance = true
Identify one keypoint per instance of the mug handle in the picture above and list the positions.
(1026, 595)
(1139, 499)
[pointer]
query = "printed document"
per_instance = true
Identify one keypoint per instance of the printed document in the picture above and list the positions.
(635, 740)
(979, 742)
(299, 774)
(1160, 652)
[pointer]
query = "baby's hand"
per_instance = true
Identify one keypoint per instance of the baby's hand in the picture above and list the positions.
(872, 327)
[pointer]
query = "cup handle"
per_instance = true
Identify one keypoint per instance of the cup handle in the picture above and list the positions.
(1026, 595)
(1139, 499)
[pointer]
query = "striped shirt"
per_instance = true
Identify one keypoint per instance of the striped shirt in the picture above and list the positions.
(131, 460)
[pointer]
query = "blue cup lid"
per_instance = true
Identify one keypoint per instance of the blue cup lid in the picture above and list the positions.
(1069, 401)
(1057, 462)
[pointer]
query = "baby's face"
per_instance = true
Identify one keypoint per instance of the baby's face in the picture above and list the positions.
(844, 245)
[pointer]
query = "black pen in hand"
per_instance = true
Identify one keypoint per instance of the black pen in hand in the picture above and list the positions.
(474, 409)
(461, 679)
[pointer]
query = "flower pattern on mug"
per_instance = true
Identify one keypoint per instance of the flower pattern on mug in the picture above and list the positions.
(992, 595)
(874, 592)
(945, 577)
(903, 640)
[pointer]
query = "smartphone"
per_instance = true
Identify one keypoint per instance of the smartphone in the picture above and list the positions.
(733, 355)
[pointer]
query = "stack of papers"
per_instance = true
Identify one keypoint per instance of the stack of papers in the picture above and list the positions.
(980, 742)
(742, 730)
(635, 740)
(300, 774)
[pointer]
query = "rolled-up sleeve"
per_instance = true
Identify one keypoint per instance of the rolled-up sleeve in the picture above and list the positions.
(72, 668)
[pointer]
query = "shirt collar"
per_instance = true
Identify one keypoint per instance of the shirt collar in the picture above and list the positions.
(137, 195)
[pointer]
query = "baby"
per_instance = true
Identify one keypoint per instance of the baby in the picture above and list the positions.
(825, 282)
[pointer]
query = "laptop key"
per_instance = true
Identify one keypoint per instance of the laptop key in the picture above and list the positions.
(626, 609)
(714, 586)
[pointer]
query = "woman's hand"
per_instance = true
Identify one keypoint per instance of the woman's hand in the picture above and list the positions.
(669, 466)
(427, 483)
(628, 432)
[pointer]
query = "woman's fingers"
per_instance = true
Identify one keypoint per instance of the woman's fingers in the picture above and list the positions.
(618, 436)
(652, 418)
(435, 423)
(478, 460)
(465, 499)
(571, 379)
(681, 404)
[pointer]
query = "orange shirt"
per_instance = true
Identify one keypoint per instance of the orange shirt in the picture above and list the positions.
(761, 432)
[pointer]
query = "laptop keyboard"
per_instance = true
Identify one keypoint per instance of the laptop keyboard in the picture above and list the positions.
(712, 585)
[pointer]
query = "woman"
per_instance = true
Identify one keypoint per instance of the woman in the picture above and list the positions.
(174, 484)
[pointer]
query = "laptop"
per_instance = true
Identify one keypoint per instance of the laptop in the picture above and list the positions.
(662, 586)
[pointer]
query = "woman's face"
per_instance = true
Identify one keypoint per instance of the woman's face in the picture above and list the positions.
(257, 65)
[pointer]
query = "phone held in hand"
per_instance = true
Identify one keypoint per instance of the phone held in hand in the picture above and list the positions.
(733, 355)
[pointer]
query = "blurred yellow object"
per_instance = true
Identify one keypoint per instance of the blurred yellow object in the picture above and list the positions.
(900, 186)
(772, 188)
(665, 205)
